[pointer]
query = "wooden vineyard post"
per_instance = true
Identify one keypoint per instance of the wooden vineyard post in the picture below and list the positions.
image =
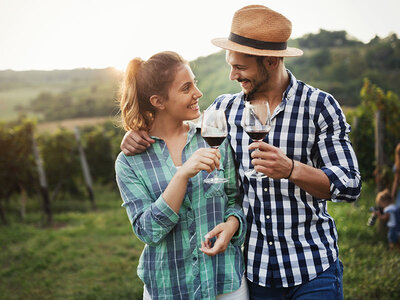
(43, 182)
(379, 135)
(85, 168)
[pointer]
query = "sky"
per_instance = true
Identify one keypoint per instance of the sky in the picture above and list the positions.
(68, 34)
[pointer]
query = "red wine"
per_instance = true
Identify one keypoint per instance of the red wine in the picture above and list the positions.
(214, 141)
(257, 135)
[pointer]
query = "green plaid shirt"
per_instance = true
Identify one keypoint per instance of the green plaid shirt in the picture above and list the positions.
(171, 265)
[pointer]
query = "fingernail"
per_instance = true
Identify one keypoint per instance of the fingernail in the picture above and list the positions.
(207, 236)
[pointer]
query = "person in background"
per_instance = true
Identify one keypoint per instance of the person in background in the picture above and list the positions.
(390, 216)
(170, 208)
(396, 180)
(291, 247)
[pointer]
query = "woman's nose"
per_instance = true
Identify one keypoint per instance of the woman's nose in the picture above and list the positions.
(198, 93)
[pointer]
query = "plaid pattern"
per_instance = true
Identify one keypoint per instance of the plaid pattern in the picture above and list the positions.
(291, 237)
(171, 264)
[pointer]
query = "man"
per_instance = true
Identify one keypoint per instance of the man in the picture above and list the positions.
(291, 247)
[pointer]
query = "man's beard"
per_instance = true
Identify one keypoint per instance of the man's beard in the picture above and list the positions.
(257, 84)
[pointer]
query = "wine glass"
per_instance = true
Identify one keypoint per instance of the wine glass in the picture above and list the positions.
(257, 124)
(214, 131)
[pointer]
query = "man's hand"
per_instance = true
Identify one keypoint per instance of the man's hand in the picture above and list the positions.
(274, 163)
(135, 142)
(270, 160)
(224, 233)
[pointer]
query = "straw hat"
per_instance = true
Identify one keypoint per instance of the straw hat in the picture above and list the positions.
(258, 30)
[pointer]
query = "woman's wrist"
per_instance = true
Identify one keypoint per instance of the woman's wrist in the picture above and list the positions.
(182, 175)
(233, 223)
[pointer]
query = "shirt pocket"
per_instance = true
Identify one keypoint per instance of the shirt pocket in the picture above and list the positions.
(213, 190)
(215, 204)
(216, 189)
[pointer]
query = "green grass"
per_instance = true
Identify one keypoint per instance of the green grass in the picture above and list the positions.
(371, 271)
(85, 255)
(94, 255)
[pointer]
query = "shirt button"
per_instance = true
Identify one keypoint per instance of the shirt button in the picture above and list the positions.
(265, 190)
(268, 217)
(270, 243)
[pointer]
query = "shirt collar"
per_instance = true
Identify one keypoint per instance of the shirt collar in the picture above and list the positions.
(192, 131)
(288, 95)
(193, 127)
(290, 91)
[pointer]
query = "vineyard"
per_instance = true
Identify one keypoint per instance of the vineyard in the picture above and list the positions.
(54, 165)
(63, 233)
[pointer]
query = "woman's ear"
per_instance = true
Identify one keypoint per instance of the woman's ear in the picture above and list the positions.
(157, 102)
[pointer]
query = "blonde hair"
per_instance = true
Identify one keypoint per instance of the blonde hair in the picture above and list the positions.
(142, 80)
(383, 197)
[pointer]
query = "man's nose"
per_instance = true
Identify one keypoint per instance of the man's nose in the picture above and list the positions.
(234, 74)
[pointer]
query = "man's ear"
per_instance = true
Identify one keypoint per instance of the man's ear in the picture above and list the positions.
(157, 102)
(271, 62)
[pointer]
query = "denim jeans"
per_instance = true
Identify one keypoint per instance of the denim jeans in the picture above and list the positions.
(328, 286)
(393, 235)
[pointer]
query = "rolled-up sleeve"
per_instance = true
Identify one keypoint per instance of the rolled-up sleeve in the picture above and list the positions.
(234, 207)
(151, 219)
(339, 161)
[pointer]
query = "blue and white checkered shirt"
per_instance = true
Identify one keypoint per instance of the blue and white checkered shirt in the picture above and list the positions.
(291, 237)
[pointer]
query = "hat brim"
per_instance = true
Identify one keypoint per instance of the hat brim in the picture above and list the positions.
(225, 43)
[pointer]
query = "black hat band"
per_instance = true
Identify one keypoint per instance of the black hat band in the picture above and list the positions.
(256, 43)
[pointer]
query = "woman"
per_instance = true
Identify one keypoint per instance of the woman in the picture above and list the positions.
(396, 180)
(169, 206)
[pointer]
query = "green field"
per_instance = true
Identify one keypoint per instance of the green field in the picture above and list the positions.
(10, 98)
(93, 255)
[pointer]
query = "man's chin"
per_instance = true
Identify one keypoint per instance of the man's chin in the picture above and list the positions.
(246, 91)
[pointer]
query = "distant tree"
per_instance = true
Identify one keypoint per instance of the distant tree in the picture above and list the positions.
(384, 53)
(327, 39)
(322, 58)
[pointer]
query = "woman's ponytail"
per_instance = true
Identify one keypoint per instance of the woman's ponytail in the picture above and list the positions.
(129, 102)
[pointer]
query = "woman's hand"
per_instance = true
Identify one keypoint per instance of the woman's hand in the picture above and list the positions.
(224, 233)
(203, 159)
